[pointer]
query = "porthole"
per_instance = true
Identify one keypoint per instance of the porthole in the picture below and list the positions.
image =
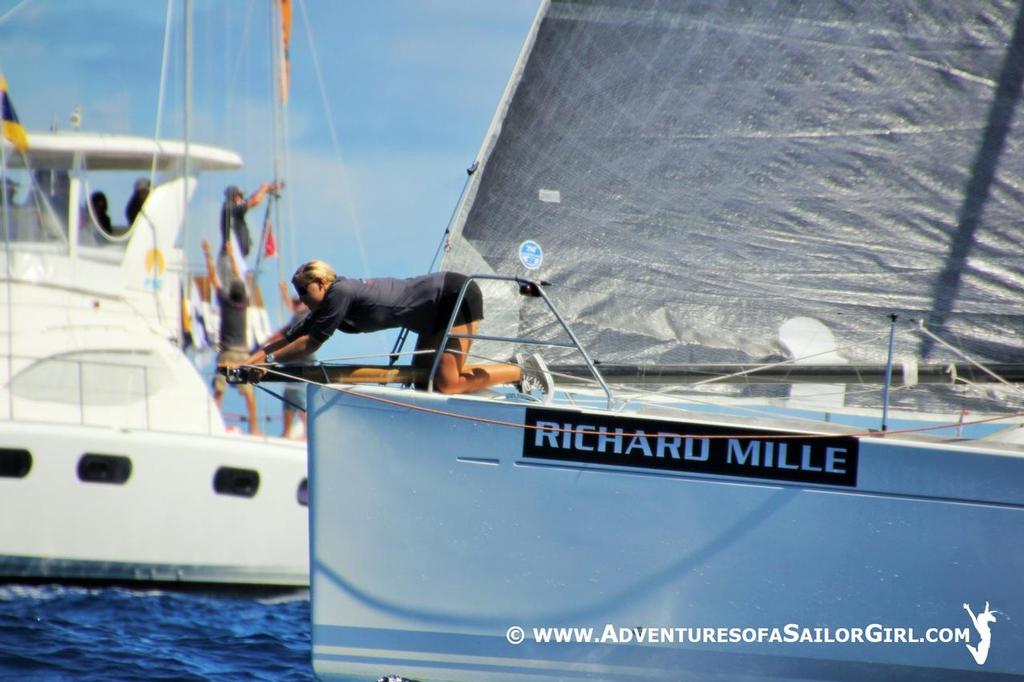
(303, 494)
(239, 482)
(93, 468)
(15, 463)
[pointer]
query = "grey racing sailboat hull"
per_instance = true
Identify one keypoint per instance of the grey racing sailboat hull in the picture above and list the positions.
(440, 523)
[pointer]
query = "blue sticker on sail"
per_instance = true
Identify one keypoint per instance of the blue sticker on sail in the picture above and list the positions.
(531, 255)
(698, 448)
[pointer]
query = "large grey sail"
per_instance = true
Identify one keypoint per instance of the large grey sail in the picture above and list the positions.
(699, 172)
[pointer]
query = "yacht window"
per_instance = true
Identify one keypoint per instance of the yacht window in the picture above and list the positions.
(240, 482)
(14, 463)
(102, 221)
(37, 205)
(94, 468)
(93, 378)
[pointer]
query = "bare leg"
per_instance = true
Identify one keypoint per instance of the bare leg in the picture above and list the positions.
(455, 376)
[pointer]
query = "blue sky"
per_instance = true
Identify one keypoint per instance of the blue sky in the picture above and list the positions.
(410, 89)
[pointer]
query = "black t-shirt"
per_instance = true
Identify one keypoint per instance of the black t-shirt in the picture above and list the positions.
(295, 323)
(357, 306)
(232, 218)
(232, 321)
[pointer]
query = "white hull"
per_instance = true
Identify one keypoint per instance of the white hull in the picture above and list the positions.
(115, 463)
(165, 523)
(431, 536)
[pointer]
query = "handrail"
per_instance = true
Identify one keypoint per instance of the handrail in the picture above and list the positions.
(536, 289)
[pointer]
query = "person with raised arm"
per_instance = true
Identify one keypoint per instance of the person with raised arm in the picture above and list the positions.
(234, 304)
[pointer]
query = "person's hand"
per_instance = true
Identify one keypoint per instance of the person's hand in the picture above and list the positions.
(252, 374)
(206, 247)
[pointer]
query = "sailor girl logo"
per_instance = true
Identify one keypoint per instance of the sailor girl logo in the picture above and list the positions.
(531, 255)
(981, 624)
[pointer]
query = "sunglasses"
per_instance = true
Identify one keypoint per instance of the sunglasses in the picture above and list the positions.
(301, 291)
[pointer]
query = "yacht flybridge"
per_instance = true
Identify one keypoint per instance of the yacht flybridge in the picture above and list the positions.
(115, 464)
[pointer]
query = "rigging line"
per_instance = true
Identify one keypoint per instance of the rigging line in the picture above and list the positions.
(288, 203)
(451, 219)
(164, 61)
(187, 170)
(628, 389)
(281, 137)
(336, 147)
(924, 330)
(790, 361)
(638, 396)
(233, 76)
(272, 56)
(680, 392)
(346, 358)
(7, 15)
(261, 244)
(5, 210)
(348, 390)
(284, 400)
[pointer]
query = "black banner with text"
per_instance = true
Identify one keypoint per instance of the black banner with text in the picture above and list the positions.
(698, 448)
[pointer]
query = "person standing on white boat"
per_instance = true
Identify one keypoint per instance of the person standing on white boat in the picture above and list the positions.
(421, 304)
(234, 303)
(232, 221)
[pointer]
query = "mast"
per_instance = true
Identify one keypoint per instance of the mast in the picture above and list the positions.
(5, 211)
(278, 103)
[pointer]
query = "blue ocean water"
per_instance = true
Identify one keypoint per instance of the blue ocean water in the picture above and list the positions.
(53, 632)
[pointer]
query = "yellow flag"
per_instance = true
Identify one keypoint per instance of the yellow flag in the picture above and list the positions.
(12, 128)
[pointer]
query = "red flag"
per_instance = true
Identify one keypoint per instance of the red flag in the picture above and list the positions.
(269, 245)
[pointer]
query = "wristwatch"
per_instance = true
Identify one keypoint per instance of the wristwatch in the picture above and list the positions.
(269, 358)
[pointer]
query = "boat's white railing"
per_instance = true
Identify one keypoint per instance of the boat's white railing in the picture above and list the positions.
(526, 288)
(105, 394)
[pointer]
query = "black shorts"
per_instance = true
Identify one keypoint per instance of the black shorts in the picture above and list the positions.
(471, 310)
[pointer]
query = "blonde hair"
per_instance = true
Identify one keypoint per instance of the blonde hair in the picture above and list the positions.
(314, 270)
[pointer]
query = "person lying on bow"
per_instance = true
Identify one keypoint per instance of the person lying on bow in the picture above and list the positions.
(421, 304)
